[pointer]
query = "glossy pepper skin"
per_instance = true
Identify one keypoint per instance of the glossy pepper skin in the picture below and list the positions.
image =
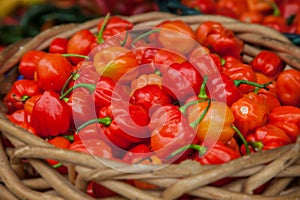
(128, 125)
(50, 115)
(20, 92)
(250, 112)
(29, 62)
(288, 119)
(217, 154)
(176, 35)
(222, 88)
(148, 96)
(216, 123)
(268, 137)
(170, 131)
(288, 87)
(52, 71)
(268, 63)
(219, 39)
(181, 81)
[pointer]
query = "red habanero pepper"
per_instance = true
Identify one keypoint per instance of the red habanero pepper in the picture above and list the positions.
(169, 132)
(145, 79)
(20, 92)
(116, 62)
(250, 112)
(176, 35)
(263, 79)
(29, 62)
(80, 104)
(288, 8)
(128, 125)
(288, 119)
(58, 45)
(241, 71)
(218, 154)
(231, 8)
(206, 63)
(53, 70)
(22, 119)
(50, 115)
(288, 87)
(148, 96)
(180, 81)
(268, 63)
(224, 43)
(164, 58)
(276, 22)
(28, 105)
(59, 142)
(251, 17)
(204, 6)
(212, 120)
(268, 137)
(80, 43)
(260, 6)
(115, 23)
(222, 88)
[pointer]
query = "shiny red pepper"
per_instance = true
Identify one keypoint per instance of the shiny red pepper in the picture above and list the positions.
(53, 70)
(288, 87)
(170, 131)
(219, 40)
(217, 154)
(29, 62)
(180, 81)
(268, 137)
(148, 96)
(128, 124)
(80, 44)
(58, 45)
(268, 63)
(241, 71)
(250, 112)
(22, 119)
(288, 119)
(50, 115)
(20, 92)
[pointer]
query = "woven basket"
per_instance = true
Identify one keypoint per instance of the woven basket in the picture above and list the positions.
(281, 165)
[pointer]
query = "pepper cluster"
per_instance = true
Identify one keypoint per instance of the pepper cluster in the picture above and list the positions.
(162, 95)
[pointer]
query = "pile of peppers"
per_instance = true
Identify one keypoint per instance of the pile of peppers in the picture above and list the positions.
(166, 95)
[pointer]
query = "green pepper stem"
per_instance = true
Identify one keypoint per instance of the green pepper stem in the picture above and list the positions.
(241, 136)
(257, 145)
(183, 108)
(100, 39)
(276, 11)
(73, 74)
(201, 117)
(144, 35)
(69, 137)
(202, 94)
(106, 121)
(201, 150)
(75, 55)
(90, 87)
(265, 85)
(58, 165)
(122, 43)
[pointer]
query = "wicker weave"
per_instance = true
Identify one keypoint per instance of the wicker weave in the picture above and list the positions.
(281, 165)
